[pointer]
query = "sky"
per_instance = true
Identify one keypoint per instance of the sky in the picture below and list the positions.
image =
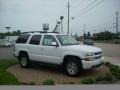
(30, 15)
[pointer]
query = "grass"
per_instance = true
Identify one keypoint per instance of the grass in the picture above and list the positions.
(48, 82)
(99, 78)
(87, 81)
(7, 78)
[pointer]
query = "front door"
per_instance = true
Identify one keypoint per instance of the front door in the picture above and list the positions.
(50, 54)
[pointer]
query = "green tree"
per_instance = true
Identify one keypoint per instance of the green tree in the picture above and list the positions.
(88, 35)
(2, 36)
(18, 32)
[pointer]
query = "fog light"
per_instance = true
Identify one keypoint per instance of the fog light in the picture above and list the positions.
(87, 59)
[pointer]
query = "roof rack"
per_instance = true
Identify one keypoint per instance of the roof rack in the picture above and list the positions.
(39, 32)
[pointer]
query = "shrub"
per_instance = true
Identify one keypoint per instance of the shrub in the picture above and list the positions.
(32, 83)
(107, 63)
(71, 83)
(114, 68)
(87, 81)
(99, 78)
(108, 77)
(48, 82)
(117, 75)
(63, 82)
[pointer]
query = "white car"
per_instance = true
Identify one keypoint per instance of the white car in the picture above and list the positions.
(5, 44)
(59, 49)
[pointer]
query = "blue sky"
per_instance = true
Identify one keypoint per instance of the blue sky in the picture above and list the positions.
(29, 15)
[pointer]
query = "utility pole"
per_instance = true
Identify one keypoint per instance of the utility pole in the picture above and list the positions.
(8, 28)
(68, 16)
(84, 28)
(116, 25)
(71, 32)
(84, 32)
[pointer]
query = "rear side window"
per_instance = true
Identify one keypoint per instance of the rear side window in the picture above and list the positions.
(23, 38)
(35, 40)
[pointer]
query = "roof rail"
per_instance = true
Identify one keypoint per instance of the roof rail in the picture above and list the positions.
(39, 32)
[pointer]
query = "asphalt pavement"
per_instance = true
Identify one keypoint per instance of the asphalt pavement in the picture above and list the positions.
(110, 50)
(6, 53)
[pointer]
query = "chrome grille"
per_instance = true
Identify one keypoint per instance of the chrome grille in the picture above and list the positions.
(98, 55)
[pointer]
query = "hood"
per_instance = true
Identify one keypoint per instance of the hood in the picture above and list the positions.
(84, 48)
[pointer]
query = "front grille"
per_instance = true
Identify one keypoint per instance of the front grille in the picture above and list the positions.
(98, 53)
(98, 57)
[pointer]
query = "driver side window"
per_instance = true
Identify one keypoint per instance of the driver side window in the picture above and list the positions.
(48, 39)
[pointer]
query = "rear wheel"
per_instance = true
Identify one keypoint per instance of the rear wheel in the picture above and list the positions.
(73, 67)
(24, 60)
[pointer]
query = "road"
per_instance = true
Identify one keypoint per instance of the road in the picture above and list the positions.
(110, 50)
(6, 53)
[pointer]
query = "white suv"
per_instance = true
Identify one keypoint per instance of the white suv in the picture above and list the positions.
(57, 49)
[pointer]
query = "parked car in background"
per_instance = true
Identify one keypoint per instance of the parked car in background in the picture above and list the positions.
(88, 42)
(13, 42)
(5, 44)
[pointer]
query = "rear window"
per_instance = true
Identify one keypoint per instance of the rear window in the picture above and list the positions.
(23, 38)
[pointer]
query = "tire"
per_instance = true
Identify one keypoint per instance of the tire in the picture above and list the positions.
(24, 61)
(73, 67)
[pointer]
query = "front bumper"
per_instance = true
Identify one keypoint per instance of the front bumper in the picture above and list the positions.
(15, 54)
(92, 64)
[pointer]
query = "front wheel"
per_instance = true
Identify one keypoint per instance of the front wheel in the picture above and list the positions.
(73, 67)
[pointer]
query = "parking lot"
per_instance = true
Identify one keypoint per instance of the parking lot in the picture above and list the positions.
(6, 52)
(110, 50)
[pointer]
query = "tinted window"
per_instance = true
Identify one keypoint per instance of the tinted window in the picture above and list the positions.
(66, 40)
(35, 40)
(23, 38)
(48, 39)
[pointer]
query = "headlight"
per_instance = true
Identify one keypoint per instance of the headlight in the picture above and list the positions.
(89, 57)
(90, 54)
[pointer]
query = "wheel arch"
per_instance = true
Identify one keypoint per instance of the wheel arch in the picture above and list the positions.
(66, 57)
(23, 52)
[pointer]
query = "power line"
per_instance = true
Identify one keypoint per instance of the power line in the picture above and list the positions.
(89, 5)
(90, 8)
(78, 4)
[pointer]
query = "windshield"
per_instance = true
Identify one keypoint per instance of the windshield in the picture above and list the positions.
(66, 40)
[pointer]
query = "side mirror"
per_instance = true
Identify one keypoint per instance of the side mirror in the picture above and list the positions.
(54, 44)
